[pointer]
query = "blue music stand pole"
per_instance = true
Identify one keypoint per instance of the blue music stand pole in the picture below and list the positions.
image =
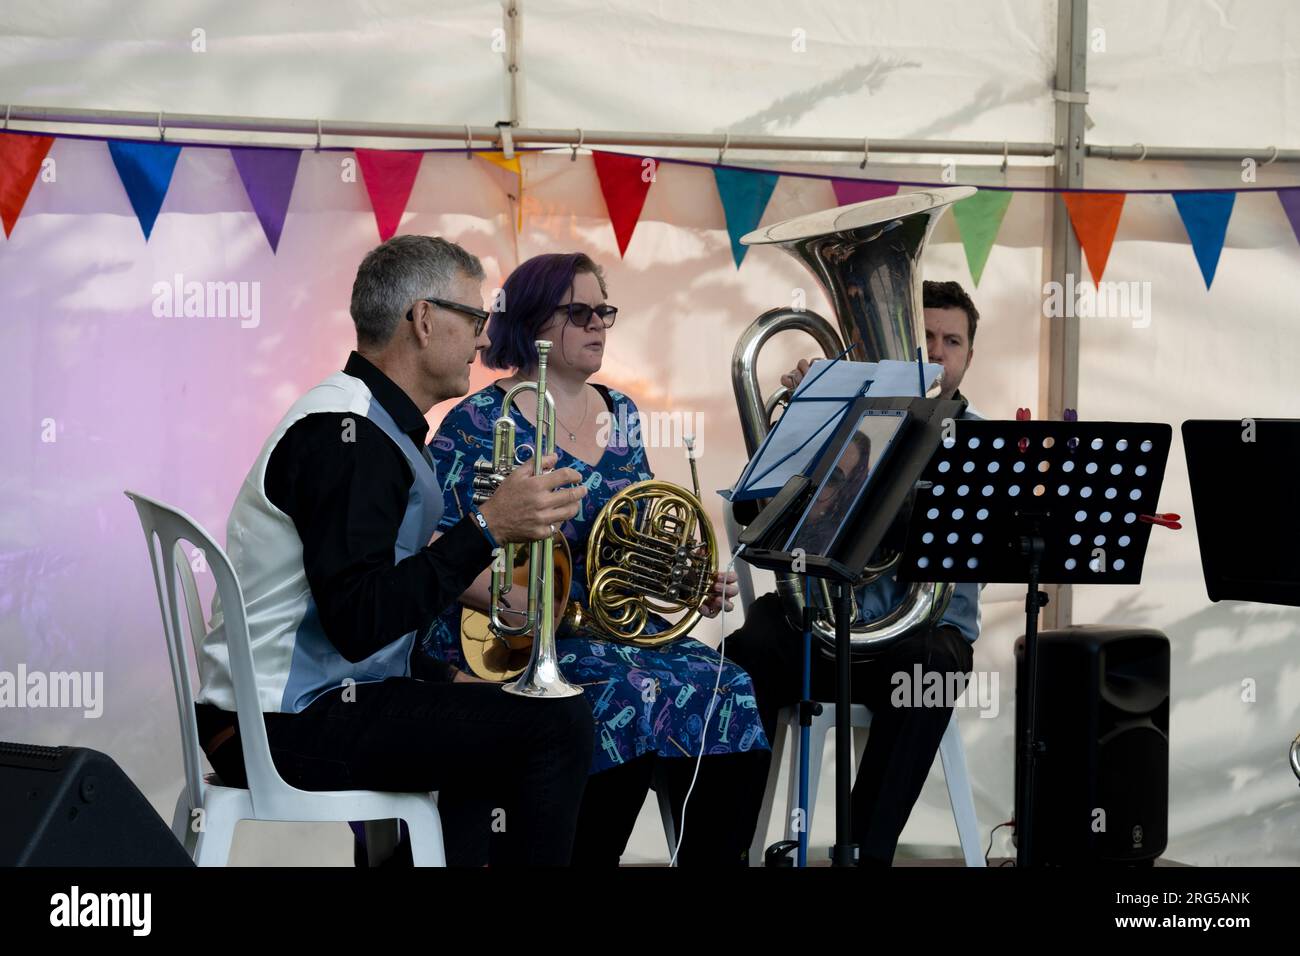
(805, 722)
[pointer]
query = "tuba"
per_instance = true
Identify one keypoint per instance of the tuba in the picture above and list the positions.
(540, 676)
(867, 258)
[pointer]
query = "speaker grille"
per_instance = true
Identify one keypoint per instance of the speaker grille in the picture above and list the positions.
(30, 755)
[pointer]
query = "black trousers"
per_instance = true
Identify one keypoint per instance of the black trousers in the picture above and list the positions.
(902, 742)
(720, 817)
(525, 759)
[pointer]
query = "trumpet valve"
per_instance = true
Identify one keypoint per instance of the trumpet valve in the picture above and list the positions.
(486, 480)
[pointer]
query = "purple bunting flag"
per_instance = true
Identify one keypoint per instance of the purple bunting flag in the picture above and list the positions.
(268, 176)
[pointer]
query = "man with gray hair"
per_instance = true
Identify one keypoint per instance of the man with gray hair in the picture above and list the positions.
(332, 537)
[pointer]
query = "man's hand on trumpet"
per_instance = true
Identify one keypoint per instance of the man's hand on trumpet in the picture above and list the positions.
(528, 507)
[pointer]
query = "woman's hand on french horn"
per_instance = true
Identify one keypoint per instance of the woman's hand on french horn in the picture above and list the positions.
(528, 507)
(725, 587)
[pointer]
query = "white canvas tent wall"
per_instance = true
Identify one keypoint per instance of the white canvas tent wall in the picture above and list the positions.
(1194, 75)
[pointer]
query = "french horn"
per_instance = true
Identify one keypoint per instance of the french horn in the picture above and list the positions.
(652, 550)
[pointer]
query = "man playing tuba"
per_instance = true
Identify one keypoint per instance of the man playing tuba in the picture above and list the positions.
(903, 739)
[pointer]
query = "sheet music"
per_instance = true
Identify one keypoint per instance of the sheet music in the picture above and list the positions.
(815, 411)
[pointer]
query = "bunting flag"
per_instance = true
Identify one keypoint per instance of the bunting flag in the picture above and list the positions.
(979, 218)
(389, 176)
(20, 162)
(744, 197)
(499, 159)
(511, 165)
(268, 176)
(1095, 217)
(1290, 199)
(1205, 217)
(856, 190)
(624, 184)
(146, 171)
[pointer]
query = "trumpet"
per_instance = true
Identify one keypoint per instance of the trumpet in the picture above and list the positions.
(541, 676)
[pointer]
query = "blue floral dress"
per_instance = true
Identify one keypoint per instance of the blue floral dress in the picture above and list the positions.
(644, 699)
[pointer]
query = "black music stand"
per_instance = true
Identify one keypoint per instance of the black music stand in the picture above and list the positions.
(1036, 503)
(1247, 515)
(877, 497)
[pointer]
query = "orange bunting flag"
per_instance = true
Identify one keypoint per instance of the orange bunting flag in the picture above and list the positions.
(1095, 217)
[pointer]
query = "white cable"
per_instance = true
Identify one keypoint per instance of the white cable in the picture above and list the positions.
(708, 714)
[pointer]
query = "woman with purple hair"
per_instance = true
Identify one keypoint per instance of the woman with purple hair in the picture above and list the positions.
(650, 703)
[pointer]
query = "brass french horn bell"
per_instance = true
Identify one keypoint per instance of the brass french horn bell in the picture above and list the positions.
(651, 550)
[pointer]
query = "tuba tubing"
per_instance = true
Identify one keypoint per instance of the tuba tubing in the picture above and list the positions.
(924, 602)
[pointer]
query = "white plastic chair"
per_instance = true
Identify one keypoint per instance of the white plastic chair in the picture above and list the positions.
(207, 811)
(951, 754)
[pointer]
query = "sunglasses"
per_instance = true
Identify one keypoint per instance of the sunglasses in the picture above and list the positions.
(580, 313)
(479, 316)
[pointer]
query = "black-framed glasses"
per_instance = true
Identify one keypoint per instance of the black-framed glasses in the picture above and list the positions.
(580, 313)
(480, 316)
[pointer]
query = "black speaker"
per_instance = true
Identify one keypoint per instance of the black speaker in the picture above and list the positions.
(69, 806)
(1101, 783)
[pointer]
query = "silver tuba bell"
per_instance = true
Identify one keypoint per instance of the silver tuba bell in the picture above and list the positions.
(867, 257)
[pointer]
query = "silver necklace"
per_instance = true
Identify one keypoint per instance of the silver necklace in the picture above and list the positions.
(572, 435)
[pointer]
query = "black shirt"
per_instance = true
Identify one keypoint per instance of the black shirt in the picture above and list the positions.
(347, 499)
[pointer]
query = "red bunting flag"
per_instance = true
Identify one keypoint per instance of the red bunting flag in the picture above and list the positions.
(389, 176)
(20, 161)
(624, 182)
(1095, 217)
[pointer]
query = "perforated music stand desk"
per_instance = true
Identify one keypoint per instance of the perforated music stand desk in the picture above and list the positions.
(1036, 503)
